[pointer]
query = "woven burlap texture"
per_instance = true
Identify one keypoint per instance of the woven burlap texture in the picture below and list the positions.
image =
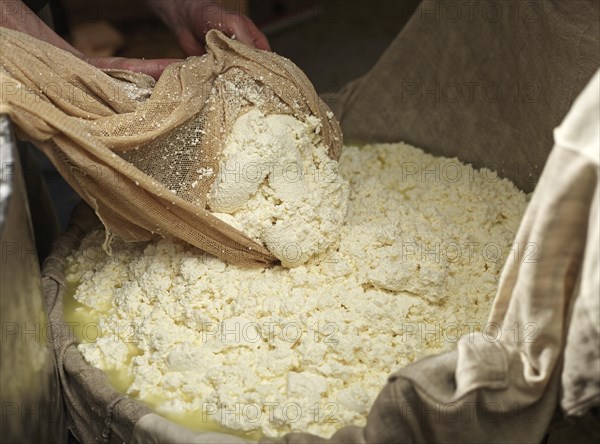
(144, 154)
(95, 411)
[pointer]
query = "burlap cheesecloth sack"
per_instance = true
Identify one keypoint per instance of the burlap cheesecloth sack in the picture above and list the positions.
(145, 154)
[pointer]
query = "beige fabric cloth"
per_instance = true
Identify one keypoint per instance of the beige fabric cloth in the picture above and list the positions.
(580, 133)
(143, 154)
(504, 384)
(486, 81)
(154, 429)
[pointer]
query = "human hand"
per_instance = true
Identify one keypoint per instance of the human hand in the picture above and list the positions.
(151, 67)
(17, 16)
(190, 20)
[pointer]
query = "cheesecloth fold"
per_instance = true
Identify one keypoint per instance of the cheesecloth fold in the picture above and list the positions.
(144, 154)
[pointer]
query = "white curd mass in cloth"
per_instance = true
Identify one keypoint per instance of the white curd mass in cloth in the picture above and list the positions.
(414, 267)
(277, 185)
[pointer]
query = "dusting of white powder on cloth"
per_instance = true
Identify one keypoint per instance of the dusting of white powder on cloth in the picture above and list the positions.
(307, 348)
(277, 185)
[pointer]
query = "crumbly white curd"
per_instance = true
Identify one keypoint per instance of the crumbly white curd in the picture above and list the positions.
(277, 185)
(413, 266)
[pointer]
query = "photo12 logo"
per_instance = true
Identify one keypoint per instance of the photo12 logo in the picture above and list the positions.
(468, 92)
(274, 412)
(483, 11)
(233, 331)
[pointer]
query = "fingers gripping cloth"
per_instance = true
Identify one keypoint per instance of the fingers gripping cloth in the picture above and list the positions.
(144, 154)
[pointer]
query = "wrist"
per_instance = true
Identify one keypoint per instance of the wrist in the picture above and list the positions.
(17, 16)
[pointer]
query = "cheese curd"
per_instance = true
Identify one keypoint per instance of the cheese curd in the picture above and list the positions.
(308, 348)
(277, 185)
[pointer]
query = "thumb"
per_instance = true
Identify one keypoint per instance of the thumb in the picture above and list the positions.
(244, 30)
(152, 67)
